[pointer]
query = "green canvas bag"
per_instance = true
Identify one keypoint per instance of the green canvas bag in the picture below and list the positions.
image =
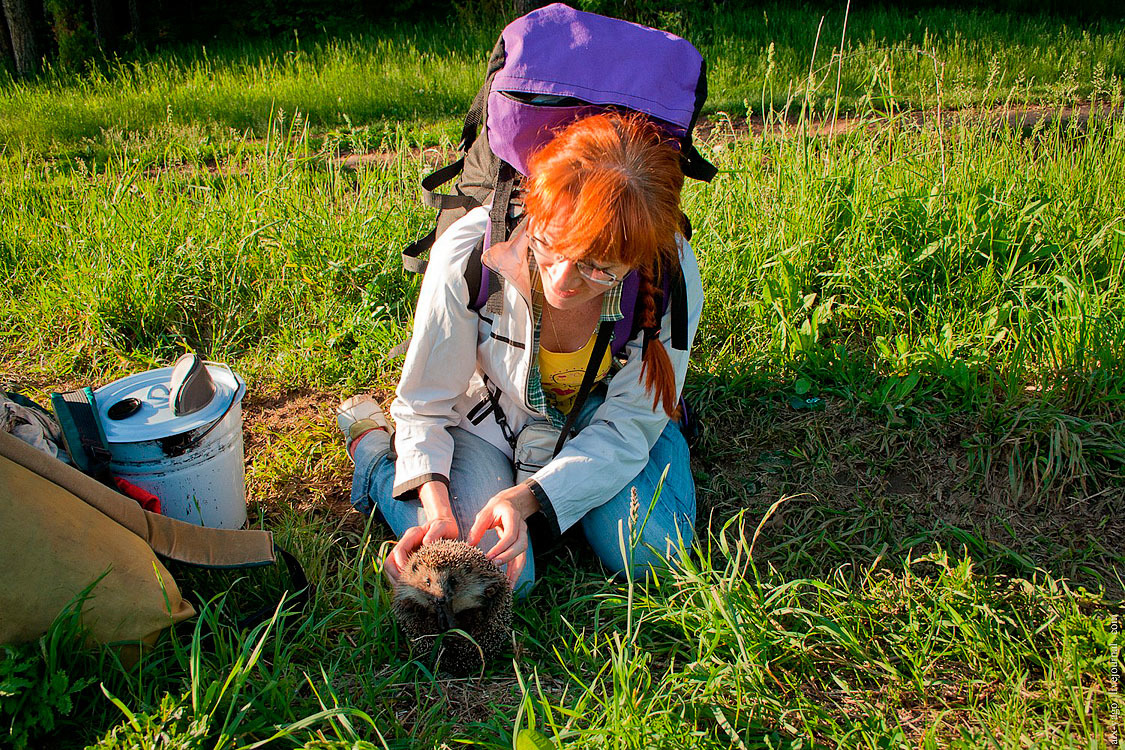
(62, 531)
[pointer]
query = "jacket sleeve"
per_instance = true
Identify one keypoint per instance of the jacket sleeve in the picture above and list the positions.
(440, 361)
(614, 447)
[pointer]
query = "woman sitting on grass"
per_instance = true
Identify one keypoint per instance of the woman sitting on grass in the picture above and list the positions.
(602, 202)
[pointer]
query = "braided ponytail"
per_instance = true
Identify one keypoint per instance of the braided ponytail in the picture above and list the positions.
(656, 367)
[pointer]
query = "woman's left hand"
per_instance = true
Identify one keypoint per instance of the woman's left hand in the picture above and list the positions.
(507, 512)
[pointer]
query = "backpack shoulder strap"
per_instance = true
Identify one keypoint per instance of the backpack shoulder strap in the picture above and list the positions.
(674, 296)
(679, 313)
(506, 178)
(82, 433)
(474, 273)
(481, 281)
(691, 161)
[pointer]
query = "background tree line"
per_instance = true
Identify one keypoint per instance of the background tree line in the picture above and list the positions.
(73, 34)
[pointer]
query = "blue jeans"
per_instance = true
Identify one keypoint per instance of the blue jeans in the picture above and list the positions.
(480, 470)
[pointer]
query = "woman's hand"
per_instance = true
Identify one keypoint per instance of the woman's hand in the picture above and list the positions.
(507, 512)
(443, 527)
(440, 524)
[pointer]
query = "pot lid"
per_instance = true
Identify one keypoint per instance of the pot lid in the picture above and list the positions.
(152, 416)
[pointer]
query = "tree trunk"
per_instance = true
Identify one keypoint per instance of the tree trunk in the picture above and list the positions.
(523, 7)
(135, 21)
(5, 42)
(22, 29)
(96, 16)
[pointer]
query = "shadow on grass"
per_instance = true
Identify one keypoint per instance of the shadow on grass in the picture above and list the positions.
(860, 488)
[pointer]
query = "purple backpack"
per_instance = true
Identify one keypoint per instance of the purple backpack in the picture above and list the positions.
(548, 68)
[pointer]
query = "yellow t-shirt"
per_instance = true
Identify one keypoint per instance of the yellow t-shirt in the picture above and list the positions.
(561, 373)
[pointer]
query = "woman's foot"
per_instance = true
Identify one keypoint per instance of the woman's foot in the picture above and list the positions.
(358, 416)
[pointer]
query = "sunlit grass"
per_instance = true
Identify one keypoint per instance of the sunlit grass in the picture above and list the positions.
(957, 259)
(909, 272)
(938, 562)
(759, 59)
(717, 652)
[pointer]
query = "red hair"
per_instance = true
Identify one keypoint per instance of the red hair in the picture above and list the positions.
(616, 179)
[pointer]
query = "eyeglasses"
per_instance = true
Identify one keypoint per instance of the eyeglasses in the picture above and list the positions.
(588, 271)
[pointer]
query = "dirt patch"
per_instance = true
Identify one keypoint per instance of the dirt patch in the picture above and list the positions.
(1024, 119)
(720, 129)
(431, 157)
(295, 457)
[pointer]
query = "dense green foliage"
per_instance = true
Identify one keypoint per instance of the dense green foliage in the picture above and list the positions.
(79, 33)
(968, 256)
(758, 62)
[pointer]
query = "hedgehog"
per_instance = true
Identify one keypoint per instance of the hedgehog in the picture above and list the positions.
(449, 585)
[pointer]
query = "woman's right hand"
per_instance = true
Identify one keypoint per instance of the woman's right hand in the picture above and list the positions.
(440, 524)
(442, 527)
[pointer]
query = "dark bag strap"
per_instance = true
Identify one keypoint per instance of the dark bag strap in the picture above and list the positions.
(301, 593)
(439, 177)
(675, 297)
(501, 202)
(474, 118)
(203, 582)
(691, 161)
(412, 255)
(695, 166)
(498, 414)
(605, 333)
(679, 313)
(82, 435)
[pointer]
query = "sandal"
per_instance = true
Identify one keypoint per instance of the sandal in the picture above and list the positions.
(358, 415)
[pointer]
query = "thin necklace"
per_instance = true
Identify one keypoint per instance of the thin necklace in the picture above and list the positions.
(537, 286)
(551, 319)
(555, 330)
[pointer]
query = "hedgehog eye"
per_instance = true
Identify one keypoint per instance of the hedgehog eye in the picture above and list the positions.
(427, 580)
(452, 580)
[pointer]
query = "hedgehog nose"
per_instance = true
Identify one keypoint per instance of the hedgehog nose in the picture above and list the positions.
(446, 619)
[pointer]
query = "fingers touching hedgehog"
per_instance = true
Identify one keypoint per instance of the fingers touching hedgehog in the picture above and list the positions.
(449, 585)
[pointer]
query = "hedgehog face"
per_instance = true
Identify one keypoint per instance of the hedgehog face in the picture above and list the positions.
(449, 585)
(467, 590)
(433, 590)
(445, 591)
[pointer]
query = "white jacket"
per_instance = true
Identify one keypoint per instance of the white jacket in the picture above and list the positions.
(452, 347)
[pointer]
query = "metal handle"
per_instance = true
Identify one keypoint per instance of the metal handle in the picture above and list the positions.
(239, 392)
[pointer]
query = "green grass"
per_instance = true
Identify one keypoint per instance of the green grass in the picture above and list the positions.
(759, 59)
(933, 559)
(718, 653)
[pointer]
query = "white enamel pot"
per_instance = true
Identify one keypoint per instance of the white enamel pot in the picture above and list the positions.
(194, 462)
